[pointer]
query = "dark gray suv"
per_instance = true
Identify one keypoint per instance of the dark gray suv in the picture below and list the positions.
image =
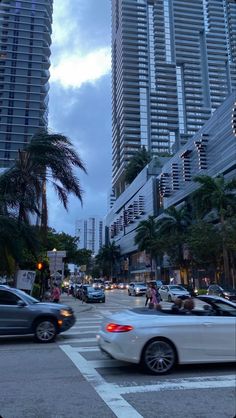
(21, 314)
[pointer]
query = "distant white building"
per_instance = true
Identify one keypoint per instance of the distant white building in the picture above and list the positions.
(90, 233)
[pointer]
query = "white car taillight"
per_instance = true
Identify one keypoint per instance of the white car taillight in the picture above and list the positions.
(118, 328)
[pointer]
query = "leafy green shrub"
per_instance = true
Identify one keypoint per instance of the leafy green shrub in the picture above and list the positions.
(36, 291)
(202, 291)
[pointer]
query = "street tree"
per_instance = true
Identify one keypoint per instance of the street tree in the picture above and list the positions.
(18, 243)
(217, 194)
(107, 258)
(48, 159)
(147, 239)
(172, 228)
(139, 160)
(204, 243)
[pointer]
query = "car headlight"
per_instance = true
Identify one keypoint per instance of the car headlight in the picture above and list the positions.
(137, 288)
(64, 312)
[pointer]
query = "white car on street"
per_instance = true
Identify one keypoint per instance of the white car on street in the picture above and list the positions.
(137, 289)
(158, 340)
(170, 292)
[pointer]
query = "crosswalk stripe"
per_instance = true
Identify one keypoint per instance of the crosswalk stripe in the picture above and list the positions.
(106, 363)
(77, 340)
(79, 332)
(184, 384)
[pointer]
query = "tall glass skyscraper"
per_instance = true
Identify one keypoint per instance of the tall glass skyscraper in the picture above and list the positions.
(173, 64)
(25, 38)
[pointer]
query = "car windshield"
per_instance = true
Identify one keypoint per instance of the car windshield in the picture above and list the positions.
(26, 297)
(140, 284)
(225, 308)
(91, 289)
(177, 288)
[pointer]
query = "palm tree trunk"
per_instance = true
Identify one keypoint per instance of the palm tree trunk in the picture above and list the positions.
(225, 253)
(44, 211)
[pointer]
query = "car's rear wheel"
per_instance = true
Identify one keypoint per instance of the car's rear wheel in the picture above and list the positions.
(45, 331)
(159, 357)
(129, 293)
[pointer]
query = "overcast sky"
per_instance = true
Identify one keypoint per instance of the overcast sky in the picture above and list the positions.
(80, 101)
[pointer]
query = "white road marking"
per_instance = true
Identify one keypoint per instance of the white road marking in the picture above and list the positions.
(108, 392)
(212, 382)
(78, 340)
(87, 349)
(80, 332)
(112, 393)
(106, 363)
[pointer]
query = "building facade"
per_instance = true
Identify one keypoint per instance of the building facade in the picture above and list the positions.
(211, 151)
(90, 234)
(173, 64)
(25, 39)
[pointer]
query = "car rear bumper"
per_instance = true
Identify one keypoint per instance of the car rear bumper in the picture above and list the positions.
(96, 299)
(115, 350)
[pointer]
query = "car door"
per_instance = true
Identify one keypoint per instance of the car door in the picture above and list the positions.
(220, 333)
(131, 288)
(14, 319)
(164, 292)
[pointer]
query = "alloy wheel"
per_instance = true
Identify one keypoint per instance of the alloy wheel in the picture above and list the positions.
(45, 331)
(159, 357)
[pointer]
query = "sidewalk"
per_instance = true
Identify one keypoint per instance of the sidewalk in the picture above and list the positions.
(75, 304)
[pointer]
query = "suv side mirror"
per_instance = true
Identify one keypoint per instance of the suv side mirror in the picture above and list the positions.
(21, 303)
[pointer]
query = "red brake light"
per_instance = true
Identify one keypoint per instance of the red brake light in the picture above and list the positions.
(118, 328)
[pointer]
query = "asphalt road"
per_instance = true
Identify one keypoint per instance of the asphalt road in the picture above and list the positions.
(71, 378)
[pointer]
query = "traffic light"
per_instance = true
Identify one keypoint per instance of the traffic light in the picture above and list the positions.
(40, 265)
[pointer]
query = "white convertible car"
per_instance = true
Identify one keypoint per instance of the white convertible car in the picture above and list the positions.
(159, 339)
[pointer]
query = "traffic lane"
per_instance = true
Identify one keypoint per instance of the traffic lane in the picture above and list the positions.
(121, 297)
(42, 382)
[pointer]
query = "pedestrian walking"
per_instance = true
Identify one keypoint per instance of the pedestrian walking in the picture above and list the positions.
(154, 296)
(56, 293)
(148, 294)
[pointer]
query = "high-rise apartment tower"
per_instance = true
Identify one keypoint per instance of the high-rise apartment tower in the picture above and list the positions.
(90, 234)
(173, 64)
(25, 38)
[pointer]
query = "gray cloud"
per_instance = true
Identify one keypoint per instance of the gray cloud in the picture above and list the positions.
(87, 25)
(83, 114)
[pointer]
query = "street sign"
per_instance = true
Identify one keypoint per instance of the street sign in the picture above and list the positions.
(56, 254)
(55, 266)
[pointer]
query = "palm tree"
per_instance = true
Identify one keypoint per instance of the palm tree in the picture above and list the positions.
(172, 227)
(217, 194)
(48, 158)
(147, 239)
(20, 189)
(140, 159)
(108, 256)
(54, 159)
